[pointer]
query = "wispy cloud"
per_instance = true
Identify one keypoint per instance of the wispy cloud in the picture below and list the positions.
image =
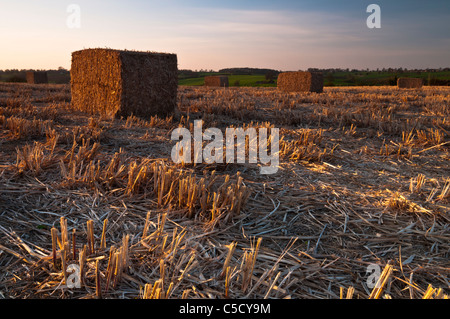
(283, 35)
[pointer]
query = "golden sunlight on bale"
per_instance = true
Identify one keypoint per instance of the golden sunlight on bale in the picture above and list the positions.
(37, 77)
(300, 82)
(121, 83)
(409, 83)
(221, 81)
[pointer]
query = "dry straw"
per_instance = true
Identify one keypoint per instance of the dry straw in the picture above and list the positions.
(300, 82)
(220, 81)
(381, 283)
(409, 83)
(193, 231)
(54, 233)
(122, 83)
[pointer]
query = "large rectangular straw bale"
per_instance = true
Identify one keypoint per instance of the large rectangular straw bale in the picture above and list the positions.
(409, 83)
(300, 82)
(120, 83)
(220, 80)
(37, 77)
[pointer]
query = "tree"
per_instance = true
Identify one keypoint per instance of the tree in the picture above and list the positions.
(270, 76)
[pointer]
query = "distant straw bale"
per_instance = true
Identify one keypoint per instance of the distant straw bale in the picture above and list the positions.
(221, 81)
(300, 82)
(37, 77)
(121, 83)
(409, 83)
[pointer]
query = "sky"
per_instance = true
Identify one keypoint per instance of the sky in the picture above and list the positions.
(210, 34)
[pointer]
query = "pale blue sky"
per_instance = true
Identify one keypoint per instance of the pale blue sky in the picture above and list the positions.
(284, 35)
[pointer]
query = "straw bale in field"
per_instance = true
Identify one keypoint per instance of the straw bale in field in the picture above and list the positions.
(37, 77)
(120, 83)
(221, 81)
(300, 82)
(409, 83)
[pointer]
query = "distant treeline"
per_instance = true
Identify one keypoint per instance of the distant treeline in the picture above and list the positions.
(248, 71)
(384, 76)
(59, 76)
(332, 76)
(338, 76)
(185, 74)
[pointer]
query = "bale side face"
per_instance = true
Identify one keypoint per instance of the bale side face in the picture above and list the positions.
(120, 83)
(409, 83)
(37, 77)
(96, 81)
(316, 82)
(300, 82)
(220, 81)
(149, 83)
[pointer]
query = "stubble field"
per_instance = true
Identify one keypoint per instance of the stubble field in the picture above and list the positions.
(363, 185)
